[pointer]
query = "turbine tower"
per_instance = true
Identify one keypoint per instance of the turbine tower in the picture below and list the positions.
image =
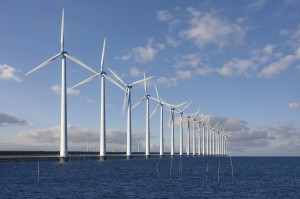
(102, 103)
(127, 99)
(194, 136)
(147, 97)
(63, 123)
(171, 121)
(161, 135)
(181, 128)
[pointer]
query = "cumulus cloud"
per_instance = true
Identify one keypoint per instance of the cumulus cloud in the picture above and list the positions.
(7, 119)
(256, 5)
(171, 41)
(164, 15)
(203, 26)
(78, 138)
(134, 71)
(236, 67)
(57, 90)
(167, 82)
(294, 105)
(8, 72)
(188, 60)
(280, 65)
(143, 54)
(184, 74)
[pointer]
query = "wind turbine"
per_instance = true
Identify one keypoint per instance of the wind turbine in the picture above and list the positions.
(147, 97)
(194, 136)
(181, 128)
(161, 135)
(104, 76)
(213, 139)
(199, 142)
(171, 120)
(64, 55)
(188, 117)
(127, 99)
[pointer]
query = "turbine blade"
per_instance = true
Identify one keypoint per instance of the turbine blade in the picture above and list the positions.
(170, 118)
(155, 99)
(139, 81)
(117, 77)
(114, 82)
(62, 31)
(154, 110)
(87, 80)
(186, 106)
(102, 57)
(216, 124)
(181, 104)
(138, 102)
(145, 86)
(80, 63)
(44, 63)
(156, 91)
(124, 103)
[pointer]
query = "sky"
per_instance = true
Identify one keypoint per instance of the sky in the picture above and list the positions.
(239, 61)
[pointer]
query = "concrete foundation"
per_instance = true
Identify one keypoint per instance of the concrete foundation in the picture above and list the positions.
(128, 157)
(63, 159)
(102, 157)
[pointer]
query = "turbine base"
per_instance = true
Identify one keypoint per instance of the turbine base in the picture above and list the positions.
(147, 156)
(63, 159)
(102, 157)
(128, 157)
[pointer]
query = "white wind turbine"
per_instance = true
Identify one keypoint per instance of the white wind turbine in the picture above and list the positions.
(171, 122)
(199, 141)
(147, 97)
(103, 75)
(64, 55)
(161, 135)
(127, 99)
(188, 117)
(194, 136)
(212, 141)
(181, 129)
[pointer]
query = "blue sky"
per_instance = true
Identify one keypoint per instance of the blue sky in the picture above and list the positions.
(238, 60)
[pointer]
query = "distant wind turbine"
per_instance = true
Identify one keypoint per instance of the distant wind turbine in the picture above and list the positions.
(127, 99)
(171, 121)
(161, 135)
(147, 97)
(181, 129)
(64, 55)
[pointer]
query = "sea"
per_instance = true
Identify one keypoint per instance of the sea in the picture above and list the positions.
(185, 177)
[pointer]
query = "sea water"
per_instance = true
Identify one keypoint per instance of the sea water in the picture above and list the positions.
(186, 177)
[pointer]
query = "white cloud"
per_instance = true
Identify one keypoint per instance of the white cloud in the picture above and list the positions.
(57, 88)
(294, 105)
(256, 5)
(143, 54)
(184, 74)
(188, 60)
(236, 67)
(8, 72)
(134, 71)
(280, 65)
(167, 82)
(7, 119)
(203, 71)
(268, 49)
(171, 41)
(203, 28)
(164, 15)
(77, 138)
